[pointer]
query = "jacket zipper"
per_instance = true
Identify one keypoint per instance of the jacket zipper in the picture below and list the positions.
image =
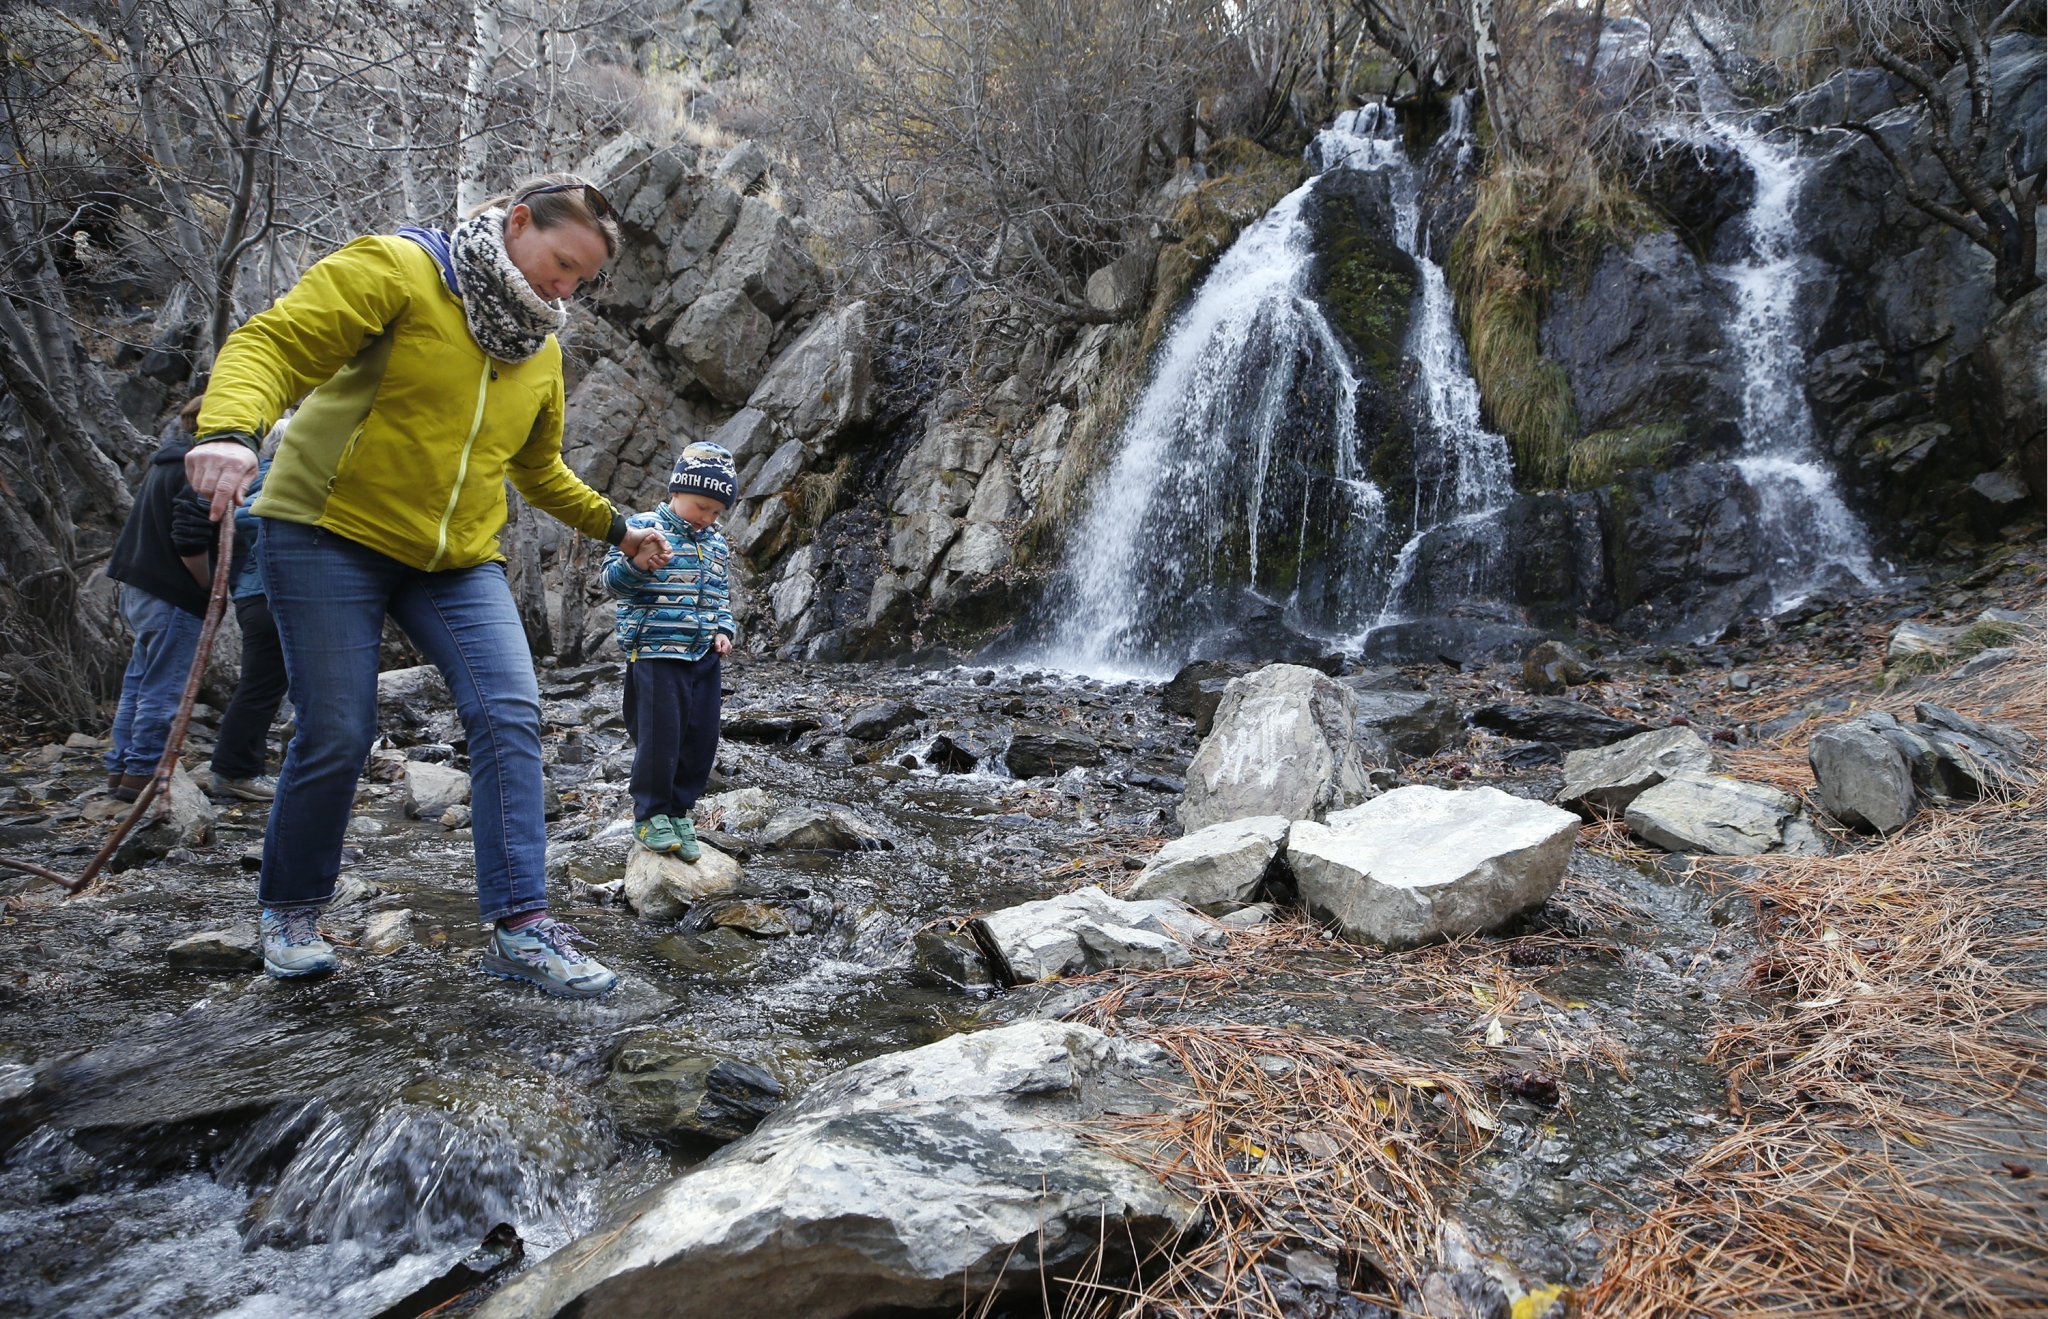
(476, 423)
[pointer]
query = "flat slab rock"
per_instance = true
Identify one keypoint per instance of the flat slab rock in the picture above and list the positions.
(1088, 930)
(1220, 866)
(1604, 780)
(1421, 864)
(661, 887)
(910, 1182)
(1718, 816)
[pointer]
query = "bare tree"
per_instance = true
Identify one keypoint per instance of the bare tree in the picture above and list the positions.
(1990, 201)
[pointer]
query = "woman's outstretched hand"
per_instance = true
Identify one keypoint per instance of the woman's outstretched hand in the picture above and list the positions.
(220, 470)
(646, 547)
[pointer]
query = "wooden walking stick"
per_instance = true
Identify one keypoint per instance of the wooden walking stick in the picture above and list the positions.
(159, 784)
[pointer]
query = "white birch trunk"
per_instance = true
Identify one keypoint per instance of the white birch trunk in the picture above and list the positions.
(471, 185)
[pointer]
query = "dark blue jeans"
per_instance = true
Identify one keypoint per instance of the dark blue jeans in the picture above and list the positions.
(243, 744)
(329, 596)
(672, 715)
(166, 638)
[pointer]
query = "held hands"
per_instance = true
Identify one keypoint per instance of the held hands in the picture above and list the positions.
(220, 470)
(646, 547)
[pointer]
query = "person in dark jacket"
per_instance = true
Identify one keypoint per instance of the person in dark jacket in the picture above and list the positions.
(163, 562)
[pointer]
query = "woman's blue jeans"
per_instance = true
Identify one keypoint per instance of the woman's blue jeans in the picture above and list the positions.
(329, 596)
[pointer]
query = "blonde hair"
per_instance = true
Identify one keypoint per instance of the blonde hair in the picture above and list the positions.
(554, 199)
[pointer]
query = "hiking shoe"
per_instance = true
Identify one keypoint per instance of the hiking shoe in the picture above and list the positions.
(292, 945)
(127, 787)
(657, 833)
(544, 953)
(686, 839)
(262, 787)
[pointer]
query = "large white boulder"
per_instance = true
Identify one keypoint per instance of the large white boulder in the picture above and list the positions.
(916, 1181)
(1088, 930)
(1220, 866)
(431, 789)
(1421, 863)
(1281, 744)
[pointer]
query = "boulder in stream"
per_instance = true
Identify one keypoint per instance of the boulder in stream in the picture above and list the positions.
(909, 1182)
(431, 789)
(1865, 777)
(820, 829)
(1420, 864)
(184, 818)
(1558, 720)
(1088, 930)
(1221, 866)
(664, 1091)
(1035, 752)
(1282, 744)
(662, 887)
(230, 950)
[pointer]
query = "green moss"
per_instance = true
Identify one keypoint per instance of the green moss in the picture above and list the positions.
(1246, 181)
(1597, 459)
(1368, 288)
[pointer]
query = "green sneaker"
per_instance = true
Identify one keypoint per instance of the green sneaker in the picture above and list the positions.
(657, 834)
(685, 834)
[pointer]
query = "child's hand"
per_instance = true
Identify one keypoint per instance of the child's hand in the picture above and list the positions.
(722, 644)
(646, 547)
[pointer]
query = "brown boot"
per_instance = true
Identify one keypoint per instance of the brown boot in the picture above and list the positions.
(130, 787)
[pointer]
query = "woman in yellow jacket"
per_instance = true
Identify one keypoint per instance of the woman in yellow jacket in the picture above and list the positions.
(426, 373)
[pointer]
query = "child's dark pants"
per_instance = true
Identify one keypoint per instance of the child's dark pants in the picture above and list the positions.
(672, 714)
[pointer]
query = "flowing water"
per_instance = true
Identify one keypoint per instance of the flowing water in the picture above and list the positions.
(1240, 478)
(1808, 534)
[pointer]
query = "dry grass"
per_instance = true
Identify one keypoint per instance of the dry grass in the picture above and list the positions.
(1294, 1140)
(1891, 1100)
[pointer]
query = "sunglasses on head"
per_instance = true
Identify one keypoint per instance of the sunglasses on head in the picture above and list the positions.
(599, 209)
(595, 200)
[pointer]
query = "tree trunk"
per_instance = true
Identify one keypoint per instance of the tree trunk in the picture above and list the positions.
(474, 161)
(1486, 54)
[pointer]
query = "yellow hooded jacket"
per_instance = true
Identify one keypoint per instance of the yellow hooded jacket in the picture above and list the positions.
(407, 430)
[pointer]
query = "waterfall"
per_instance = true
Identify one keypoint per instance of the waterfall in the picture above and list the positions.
(1238, 494)
(1807, 533)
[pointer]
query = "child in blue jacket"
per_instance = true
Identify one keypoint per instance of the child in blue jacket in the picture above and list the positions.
(675, 624)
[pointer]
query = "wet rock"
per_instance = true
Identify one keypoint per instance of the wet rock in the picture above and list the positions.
(951, 959)
(1719, 816)
(743, 810)
(1088, 930)
(1198, 688)
(1282, 744)
(233, 950)
(1421, 864)
(457, 816)
(387, 932)
(774, 727)
(872, 723)
(1035, 752)
(909, 1182)
(661, 887)
(759, 919)
(409, 700)
(668, 1092)
(1220, 866)
(599, 860)
(1551, 667)
(814, 829)
(1415, 724)
(1604, 780)
(1570, 724)
(1864, 777)
(431, 789)
(955, 753)
(184, 818)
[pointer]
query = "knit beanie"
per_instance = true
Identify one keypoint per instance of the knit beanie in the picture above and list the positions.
(705, 469)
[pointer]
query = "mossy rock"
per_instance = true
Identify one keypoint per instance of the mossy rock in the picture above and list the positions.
(1603, 457)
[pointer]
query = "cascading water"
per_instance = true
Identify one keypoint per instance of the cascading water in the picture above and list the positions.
(1809, 535)
(1242, 470)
